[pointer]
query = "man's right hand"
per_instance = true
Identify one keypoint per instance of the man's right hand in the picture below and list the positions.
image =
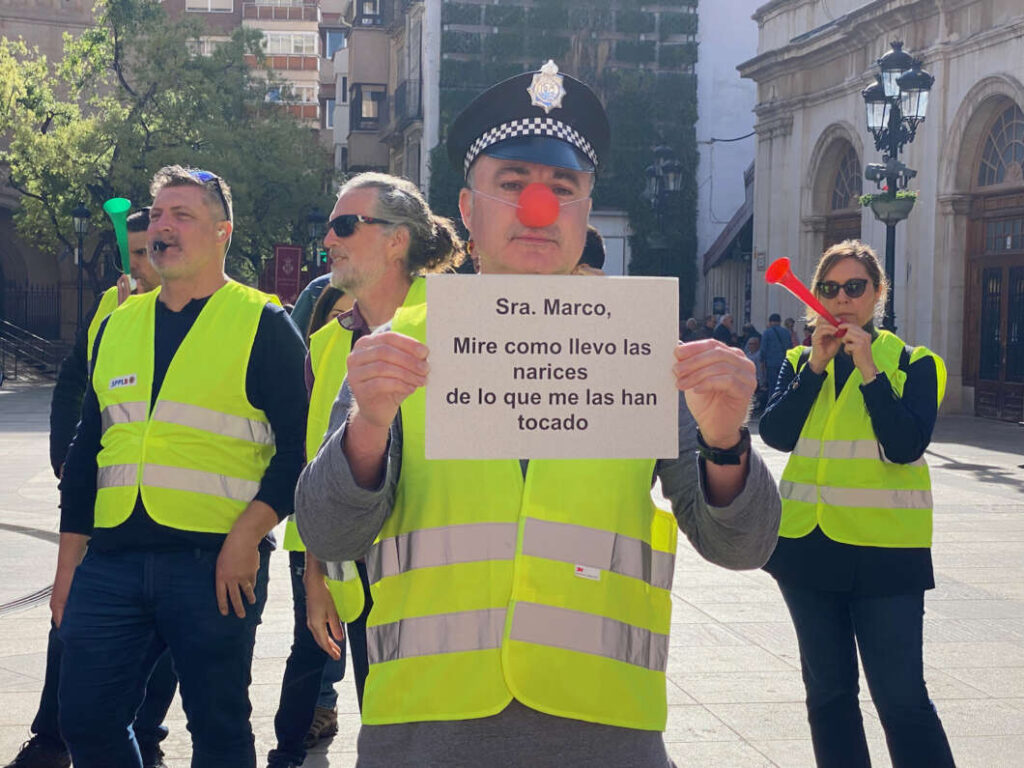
(383, 370)
(70, 552)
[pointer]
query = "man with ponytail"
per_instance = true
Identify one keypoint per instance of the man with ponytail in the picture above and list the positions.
(380, 239)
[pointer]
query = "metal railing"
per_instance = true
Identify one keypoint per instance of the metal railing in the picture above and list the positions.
(22, 349)
(36, 308)
(408, 103)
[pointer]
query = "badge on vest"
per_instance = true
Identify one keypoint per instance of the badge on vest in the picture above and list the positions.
(586, 572)
(124, 381)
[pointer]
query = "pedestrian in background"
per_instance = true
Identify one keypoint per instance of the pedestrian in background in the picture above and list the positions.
(775, 342)
(853, 561)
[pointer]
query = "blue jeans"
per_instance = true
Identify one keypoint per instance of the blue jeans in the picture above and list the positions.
(830, 627)
(148, 726)
(124, 610)
(308, 670)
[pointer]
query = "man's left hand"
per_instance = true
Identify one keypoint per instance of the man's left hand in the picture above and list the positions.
(719, 382)
(237, 566)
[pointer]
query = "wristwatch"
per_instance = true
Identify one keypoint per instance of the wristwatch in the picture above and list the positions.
(724, 455)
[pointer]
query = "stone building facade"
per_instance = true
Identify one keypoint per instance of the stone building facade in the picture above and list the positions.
(959, 277)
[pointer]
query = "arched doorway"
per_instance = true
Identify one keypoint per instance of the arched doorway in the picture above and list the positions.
(994, 291)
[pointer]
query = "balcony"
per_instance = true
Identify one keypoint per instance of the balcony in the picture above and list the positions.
(308, 10)
(289, 62)
(408, 103)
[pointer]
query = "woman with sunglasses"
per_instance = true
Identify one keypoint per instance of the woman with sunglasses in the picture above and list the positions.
(856, 410)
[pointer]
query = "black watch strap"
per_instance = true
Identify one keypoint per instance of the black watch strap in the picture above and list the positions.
(726, 456)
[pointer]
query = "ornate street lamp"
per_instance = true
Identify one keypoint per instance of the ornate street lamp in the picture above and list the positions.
(663, 178)
(895, 105)
(316, 222)
(80, 215)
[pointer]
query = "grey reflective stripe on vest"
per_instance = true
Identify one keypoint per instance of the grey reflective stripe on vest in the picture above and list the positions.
(810, 448)
(341, 571)
(124, 413)
(432, 547)
(117, 476)
(197, 417)
(589, 633)
(181, 479)
(599, 549)
(883, 498)
(429, 635)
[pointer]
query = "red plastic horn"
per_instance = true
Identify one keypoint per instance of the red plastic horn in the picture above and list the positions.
(780, 273)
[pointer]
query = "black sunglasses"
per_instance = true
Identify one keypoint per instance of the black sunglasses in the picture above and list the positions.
(205, 177)
(853, 288)
(345, 224)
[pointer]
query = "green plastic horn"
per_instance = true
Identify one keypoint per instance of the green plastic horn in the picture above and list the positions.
(117, 209)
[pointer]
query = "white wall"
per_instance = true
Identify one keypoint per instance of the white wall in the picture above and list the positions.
(727, 36)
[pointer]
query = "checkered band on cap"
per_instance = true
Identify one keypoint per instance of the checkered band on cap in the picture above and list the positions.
(530, 126)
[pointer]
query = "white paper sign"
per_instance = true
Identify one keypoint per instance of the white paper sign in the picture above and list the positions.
(525, 366)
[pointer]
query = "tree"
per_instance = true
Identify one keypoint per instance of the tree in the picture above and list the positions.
(131, 95)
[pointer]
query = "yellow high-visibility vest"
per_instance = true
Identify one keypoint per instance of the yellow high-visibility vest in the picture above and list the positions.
(108, 303)
(328, 357)
(198, 456)
(838, 477)
(553, 589)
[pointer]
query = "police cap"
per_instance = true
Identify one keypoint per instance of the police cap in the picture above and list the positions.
(539, 117)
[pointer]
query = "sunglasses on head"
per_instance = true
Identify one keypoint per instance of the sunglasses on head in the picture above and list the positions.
(345, 224)
(853, 288)
(205, 177)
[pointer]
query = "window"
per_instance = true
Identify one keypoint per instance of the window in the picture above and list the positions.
(1002, 160)
(344, 90)
(210, 6)
(291, 93)
(285, 3)
(205, 46)
(370, 7)
(368, 107)
(329, 113)
(847, 188)
(296, 43)
(335, 41)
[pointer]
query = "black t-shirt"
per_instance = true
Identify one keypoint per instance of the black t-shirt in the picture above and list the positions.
(903, 427)
(273, 383)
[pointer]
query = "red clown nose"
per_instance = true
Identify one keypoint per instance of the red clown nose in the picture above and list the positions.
(538, 207)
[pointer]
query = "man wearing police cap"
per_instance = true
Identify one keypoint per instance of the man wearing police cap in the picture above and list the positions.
(485, 647)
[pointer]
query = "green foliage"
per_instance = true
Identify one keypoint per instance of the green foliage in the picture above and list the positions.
(903, 194)
(129, 97)
(542, 46)
(635, 51)
(460, 42)
(548, 16)
(677, 24)
(634, 22)
(504, 15)
(503, 45)
(460, 13)
(676, 55)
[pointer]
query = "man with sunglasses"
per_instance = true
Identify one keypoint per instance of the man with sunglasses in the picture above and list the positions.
(485, 647)
(185, 459)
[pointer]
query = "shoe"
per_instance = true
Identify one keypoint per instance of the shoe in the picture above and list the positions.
(324, 725)
(274, 760)
(152, 756)
(41, 752)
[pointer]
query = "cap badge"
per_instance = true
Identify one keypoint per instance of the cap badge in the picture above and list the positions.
(546, 90)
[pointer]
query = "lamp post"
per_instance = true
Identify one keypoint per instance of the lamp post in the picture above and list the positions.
(80, 215)
(315, 221)
(664, 178)
(896, 104)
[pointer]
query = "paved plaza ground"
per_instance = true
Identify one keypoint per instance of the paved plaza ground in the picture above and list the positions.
(735, 694)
